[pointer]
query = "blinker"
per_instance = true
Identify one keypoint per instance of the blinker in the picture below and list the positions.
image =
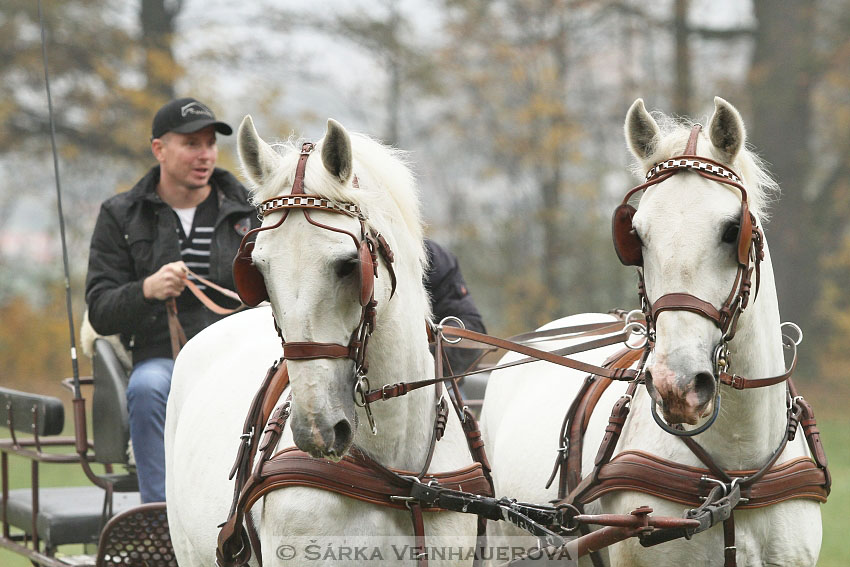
(627, 244)
(367, 273)
(250, 284)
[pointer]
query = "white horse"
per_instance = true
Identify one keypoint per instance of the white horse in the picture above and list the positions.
(312, 277)
(687, 226)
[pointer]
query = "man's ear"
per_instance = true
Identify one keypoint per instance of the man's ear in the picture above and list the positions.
(156, 148)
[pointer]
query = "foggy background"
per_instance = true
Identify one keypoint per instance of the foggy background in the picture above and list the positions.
(511, 110)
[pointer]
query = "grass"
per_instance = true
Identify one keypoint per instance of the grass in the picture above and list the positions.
(835, 551)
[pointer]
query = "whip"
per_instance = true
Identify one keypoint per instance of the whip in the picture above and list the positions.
(74, 363)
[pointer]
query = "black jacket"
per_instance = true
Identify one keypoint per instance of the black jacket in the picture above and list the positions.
(135, 235)
(450, 296)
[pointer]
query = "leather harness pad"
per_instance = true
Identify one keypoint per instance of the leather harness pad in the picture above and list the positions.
(357, 476)
(642, 472)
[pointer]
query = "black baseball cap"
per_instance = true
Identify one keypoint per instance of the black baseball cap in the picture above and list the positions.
(184, 116)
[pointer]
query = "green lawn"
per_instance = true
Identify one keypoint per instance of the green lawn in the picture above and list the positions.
(834, 553)
(836, 523)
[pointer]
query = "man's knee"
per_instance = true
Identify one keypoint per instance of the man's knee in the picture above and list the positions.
(150, 380)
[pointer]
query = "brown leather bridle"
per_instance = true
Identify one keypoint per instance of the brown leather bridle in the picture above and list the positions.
(749, 254)
(252, 289)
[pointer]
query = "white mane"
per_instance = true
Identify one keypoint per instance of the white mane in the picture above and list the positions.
(762, 189)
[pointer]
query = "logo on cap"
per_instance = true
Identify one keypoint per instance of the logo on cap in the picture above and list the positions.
(194, 108)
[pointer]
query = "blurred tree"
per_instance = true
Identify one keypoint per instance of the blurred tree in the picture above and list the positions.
(31, 342)
(157, 18)
(801, 118)
(827, 192)
(104, 83)
(513, 69)
(782, 76)
(386, 34)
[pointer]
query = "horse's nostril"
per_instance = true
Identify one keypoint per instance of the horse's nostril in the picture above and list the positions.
(342, 434)
(704, 386)
(650, 387)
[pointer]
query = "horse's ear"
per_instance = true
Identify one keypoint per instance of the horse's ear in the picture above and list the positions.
(642, 133)
(726, 129)
(336, 151)
(257, 157)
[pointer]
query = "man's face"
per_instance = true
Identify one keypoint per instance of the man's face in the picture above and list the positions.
(187, 159)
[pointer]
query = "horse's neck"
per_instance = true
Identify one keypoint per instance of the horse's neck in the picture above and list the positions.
(752, 422)
(398, 352)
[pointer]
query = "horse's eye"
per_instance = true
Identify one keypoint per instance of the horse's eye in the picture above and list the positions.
(730, 233)
(346, 267)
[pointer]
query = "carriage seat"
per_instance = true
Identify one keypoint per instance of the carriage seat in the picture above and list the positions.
(110, 418)
(70, 514)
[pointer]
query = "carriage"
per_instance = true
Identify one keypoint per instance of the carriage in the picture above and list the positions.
(387, 458)
(105, 515)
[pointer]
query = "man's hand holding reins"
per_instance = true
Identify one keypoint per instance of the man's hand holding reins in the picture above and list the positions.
(168, 281)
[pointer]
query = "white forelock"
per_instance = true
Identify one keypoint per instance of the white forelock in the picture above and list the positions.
(762, 189)
(381, 172)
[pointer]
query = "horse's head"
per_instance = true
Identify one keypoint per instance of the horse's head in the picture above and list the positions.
(695, 238)
(327, 270)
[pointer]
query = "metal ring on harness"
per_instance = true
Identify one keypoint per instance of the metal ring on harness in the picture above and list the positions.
(721, 358)
(442, 324)
(636, 328)
(360, 389)
(796, 328)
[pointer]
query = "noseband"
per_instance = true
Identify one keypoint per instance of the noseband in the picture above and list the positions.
(749, 253)
(252, 289)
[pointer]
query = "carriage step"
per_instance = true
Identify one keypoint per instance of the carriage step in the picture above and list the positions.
(138, 536)
(77, 560)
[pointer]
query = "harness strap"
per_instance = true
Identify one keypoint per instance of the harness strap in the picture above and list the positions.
(357, 476)
(613, 373)
(205, 299)
(175, 329)
(686, 302)
(730, 552)
(576, 422)
(811, 431)
(402, 388)
(421, 552)
(232, 548)
(803, 477)
(691, 146)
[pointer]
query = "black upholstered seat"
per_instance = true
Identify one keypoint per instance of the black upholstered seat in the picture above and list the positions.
(110, 419)
(71, 514)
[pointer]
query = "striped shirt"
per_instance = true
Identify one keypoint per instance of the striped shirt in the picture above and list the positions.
(195, 247)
